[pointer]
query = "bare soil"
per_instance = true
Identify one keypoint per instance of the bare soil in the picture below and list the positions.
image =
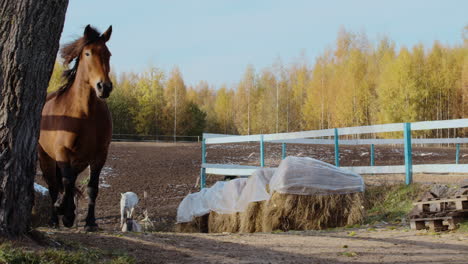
(381, 245)
(167, 172)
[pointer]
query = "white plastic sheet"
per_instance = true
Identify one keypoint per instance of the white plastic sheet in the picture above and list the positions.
(225, 200)
(220, 198)
(295, 175)
(307, 176)
(41, 189)
(256, 188)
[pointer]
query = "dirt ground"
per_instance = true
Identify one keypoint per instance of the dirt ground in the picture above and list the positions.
(167, 172)
(381, 245)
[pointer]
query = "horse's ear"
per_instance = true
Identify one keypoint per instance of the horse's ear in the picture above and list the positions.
(90, 34)
(87, 32)
(106, 35)
(122, 194)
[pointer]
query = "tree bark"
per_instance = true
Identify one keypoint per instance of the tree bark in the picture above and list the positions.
(29, 40)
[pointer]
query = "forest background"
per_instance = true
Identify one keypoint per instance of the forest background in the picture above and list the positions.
(353, 83)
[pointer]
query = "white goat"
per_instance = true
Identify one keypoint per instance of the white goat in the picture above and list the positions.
(127, 204)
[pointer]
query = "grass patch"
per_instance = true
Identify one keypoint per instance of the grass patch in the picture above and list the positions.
(277, 231)
(349, 254)
(463, 227)
(390, 203)
(12, 255)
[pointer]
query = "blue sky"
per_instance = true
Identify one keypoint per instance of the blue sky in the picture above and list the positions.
(214, 40)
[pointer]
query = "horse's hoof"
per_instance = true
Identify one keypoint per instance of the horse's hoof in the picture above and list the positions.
(68, 221)
(91, 228)
(54, 225)
(60, 209)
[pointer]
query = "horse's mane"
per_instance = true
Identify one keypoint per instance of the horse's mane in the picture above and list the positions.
(71, 52)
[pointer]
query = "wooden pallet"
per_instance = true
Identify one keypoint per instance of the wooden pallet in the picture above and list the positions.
(436, 223)
(457, 213)
(459, 202)
(464, 191)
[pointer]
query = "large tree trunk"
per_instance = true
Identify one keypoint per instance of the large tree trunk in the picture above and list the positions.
(29, 40)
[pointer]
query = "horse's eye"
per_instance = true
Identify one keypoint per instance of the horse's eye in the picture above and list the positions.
(87, 53)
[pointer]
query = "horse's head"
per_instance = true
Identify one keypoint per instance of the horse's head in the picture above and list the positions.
(93, 58)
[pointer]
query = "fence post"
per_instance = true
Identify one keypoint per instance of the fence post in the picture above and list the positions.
(372, 161)
(457, 154)
(203, 170)
(408, 154)
(337, 149)
(262, 152)
(283, 150)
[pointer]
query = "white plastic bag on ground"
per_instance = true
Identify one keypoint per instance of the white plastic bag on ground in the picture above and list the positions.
(307, 176)
(255, 189)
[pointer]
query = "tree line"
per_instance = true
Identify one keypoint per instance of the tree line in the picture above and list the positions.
(354, 83)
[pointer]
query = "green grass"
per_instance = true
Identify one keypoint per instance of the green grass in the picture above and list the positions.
(12, 255)
(349, 254)
(463, 226)
(390, 203)
(84, 181)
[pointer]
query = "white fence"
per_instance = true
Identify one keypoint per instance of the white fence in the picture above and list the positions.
(313, 137)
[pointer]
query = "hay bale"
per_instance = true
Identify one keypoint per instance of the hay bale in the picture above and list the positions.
(305, 212)
(251, 219)
(198, 225)
(356, 213)
(219, 223)
(284, 212)
(41, 211)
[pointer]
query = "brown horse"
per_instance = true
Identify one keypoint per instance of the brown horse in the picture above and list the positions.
(76, 126)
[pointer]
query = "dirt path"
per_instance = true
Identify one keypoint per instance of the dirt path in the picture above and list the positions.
(343, 246)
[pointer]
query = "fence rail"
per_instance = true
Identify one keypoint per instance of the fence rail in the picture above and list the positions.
(314, 137)
(155, 138)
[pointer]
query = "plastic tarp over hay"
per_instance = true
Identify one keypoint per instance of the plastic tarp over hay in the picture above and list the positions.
(221, 198)
(307, 176)
(302, 193)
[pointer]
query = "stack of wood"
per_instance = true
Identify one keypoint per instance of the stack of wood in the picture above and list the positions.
(440, 213)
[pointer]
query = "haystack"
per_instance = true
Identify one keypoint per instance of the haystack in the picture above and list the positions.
(306, 212)
(311, 194)
(197, 225)
(253, 199)
(212, 209)
(219, 223)
(306, 194)
(251, 220)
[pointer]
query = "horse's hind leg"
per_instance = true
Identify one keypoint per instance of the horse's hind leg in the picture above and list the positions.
(48, 168)
(93, 190)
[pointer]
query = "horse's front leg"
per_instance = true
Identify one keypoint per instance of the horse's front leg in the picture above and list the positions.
(93, 190)
(54, 222)
(65, 205)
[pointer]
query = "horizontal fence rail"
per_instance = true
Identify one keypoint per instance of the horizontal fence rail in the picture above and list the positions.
(155, 138)
(315, 137)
